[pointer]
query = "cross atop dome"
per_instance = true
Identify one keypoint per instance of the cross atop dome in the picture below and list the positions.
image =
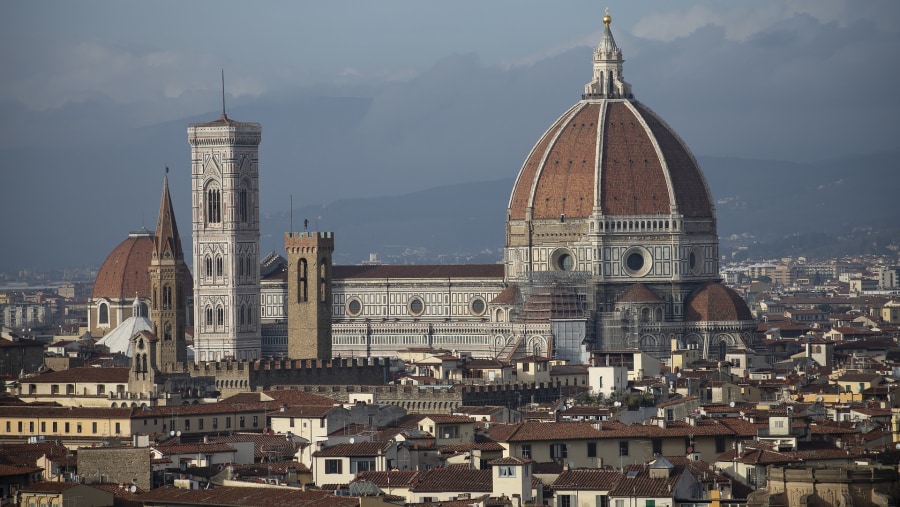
(608, 82)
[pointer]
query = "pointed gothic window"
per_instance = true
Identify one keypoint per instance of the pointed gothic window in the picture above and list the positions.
(167, 333)
(167, 297)
(219, 266)
(220, 316)
(302, 275)
(209, 269)
(209, 316)
(241, 315)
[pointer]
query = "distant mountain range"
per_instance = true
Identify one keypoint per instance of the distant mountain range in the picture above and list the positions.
(771, 208)
(358, 167)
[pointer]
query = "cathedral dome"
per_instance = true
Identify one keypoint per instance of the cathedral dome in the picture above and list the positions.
(609, 154)
(124, 272)
(715, 302)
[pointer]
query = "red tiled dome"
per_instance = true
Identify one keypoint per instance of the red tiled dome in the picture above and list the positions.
(613, 154)
(715, 302)
(124, 272)
(639, 293)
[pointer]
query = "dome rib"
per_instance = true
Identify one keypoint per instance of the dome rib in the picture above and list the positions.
(521, 197)
(688, 184)
(568, 169)
(633, 181)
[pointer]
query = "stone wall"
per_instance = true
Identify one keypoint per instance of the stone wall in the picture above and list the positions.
(115, 464)
(832, 486)
(435, 400)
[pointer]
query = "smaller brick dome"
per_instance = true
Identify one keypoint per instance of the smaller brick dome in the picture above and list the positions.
(124, 272)
(638, 293)
(715, 302)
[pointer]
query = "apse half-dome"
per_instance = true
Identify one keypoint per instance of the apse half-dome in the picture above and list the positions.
(715, 302)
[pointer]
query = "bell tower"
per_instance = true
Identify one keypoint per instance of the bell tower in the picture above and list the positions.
(309, 294)
(225, 214)
(168, 273)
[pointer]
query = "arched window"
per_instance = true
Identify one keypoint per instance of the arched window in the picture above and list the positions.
(241, 315)
(220, 316)
(103, 313)
(302, 282)
(220, 266)
(213, 206)
(250, 314)
(167, 331)
(209, 269)
(209, 316)
(167, 297)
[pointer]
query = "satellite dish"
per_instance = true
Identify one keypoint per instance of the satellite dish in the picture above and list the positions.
(172, 433)
(352, 440)
(731, 404)
(898, 446)
(133, 488)
(617, 404)
(178, 433)
(820, 399)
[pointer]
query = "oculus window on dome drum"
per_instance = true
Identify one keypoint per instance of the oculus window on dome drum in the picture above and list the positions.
(354, 307)
(637, 261)
(477, 306)
(416, 306)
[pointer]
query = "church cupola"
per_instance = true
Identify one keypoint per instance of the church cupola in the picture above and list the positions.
(607, 82)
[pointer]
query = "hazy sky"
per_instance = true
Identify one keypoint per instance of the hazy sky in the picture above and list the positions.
(154, 53)
(457, 90)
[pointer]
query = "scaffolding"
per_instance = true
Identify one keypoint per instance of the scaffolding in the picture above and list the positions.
(560, 298)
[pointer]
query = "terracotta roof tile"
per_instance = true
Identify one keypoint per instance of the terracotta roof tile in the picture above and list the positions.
(454, 479)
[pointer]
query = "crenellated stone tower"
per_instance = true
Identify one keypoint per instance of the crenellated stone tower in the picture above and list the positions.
(309, 294)
(225, 211)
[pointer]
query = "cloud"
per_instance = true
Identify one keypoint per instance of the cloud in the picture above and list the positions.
(741, 21)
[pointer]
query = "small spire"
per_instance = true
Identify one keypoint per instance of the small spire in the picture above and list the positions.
(223, 95)
(167, 238)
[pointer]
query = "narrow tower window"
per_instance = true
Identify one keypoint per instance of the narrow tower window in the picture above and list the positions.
(167, 298)
(242, 205)
(219, 266)
(302, 277)
(209, 316)
(214, 206)
(323, 271)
